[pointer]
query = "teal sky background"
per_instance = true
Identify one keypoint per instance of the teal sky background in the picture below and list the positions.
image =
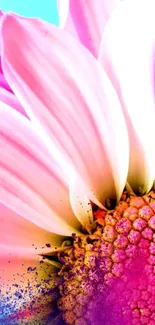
(45, 9)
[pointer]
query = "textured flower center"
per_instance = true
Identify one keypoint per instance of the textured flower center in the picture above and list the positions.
(109, 275)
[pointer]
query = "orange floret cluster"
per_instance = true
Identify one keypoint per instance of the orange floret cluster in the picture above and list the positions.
(109, 274)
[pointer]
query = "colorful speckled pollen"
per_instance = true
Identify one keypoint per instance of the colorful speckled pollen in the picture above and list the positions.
(109, 275)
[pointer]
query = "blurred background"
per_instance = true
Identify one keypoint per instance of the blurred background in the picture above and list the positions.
(45, 9)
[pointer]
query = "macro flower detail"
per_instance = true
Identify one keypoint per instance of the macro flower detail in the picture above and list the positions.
(77, 213)
(108, 274)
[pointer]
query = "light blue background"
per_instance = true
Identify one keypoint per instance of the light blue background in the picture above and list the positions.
(45, 9)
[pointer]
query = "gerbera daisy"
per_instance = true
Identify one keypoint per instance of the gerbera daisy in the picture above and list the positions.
(73, 231)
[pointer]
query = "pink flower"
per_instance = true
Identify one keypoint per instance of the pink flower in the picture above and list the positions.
(87, 135)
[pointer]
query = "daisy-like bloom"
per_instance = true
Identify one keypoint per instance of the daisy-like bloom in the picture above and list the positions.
(89, 140)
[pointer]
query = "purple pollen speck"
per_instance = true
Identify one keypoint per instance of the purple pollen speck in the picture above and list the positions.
(31, 269)
(18, 295)
(48, 245)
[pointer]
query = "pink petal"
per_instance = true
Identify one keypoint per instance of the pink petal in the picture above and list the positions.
(3, 83)
(127, 54)
(71, 101)
(86, 20)
(10, 99)
(24, 237)
(31, 183)
(80, 202)
(22, 279)
(6, 94)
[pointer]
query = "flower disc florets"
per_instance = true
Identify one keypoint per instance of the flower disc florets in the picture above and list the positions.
(109, 274)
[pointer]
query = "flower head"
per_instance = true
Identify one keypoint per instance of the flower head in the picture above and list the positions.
(87, 137)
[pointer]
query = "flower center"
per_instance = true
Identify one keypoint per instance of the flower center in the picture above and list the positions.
(108, 276)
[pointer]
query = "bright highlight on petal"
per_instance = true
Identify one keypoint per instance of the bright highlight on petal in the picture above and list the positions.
(31, 183)
(71, 101)
(127, 54)
(63, 10)
(86, 20)
(80, 203)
